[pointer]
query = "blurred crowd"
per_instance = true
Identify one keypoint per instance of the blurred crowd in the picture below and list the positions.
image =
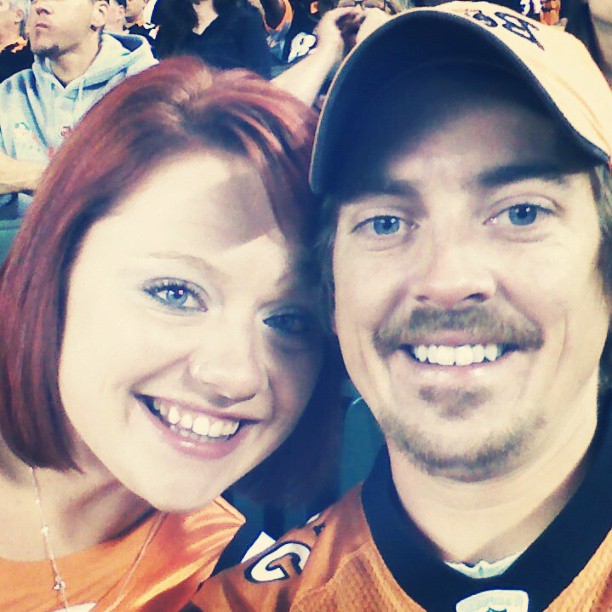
(57, 58)
(268, 36)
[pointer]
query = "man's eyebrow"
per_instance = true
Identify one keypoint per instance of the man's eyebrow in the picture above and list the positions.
(505, 175)
(380, 186)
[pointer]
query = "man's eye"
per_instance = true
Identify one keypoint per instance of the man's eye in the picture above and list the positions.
(175, 295)
(382, 225)
(386, 225)
(292, 324)
(523, 214)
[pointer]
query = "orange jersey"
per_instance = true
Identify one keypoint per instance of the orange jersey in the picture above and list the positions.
(363, 554)
(182, 553)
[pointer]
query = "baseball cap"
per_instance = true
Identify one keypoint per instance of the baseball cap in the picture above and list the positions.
(554, 64)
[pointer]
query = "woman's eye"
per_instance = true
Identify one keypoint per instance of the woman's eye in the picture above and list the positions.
(292, 324)
(176, 296)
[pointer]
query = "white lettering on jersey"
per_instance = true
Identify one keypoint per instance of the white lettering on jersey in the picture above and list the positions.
(280, 563)
(495, 601)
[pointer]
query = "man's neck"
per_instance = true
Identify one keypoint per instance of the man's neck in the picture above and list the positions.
(501, 516)
(74, 63)
(139, 20)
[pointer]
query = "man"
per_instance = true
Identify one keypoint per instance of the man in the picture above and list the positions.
(464, 157)
(136, 22)
(15, 54)
(75, 65)
(116, 23)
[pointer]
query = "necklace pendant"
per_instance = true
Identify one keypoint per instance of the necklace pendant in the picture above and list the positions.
(59, 585)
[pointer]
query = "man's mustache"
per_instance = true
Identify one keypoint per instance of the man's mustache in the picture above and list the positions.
(481, 324)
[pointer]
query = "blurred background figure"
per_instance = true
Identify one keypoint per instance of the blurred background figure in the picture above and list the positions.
(116, 22)
(137, 22)
(15, 54)
(591, 22)
(546, 11)
(223, 33)
(75, 65)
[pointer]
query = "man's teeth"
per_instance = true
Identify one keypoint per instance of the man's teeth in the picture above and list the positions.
(457, 355)
(194, 426)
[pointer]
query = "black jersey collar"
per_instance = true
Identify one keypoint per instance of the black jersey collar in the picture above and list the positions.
(543, 571)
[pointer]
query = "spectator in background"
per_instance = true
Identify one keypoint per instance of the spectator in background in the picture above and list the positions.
(591, 22)
(223, 33)
(136, 22)
(545, 11)
(15, 53)
(278, 17)
(334, 36)
(116, 22)
(75, 65)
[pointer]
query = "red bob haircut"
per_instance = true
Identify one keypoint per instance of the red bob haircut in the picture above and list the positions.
(176, 106)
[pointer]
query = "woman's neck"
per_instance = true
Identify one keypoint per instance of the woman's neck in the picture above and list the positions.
(82, 510)
(206, 15)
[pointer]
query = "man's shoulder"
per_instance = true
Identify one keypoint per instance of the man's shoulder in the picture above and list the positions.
(310, 566)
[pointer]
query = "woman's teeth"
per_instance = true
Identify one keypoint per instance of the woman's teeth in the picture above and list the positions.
(457, 355)
(196, 427)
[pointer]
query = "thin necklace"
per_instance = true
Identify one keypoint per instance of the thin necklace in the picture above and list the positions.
(59, 585)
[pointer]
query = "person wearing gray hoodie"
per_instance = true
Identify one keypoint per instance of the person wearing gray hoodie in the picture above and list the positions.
(75, 65)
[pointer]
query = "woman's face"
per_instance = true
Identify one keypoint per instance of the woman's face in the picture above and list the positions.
(190, 346)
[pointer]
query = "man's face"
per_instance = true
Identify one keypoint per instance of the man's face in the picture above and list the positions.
(56, 27)
(468, 304)
(133, 10)
(10, 18)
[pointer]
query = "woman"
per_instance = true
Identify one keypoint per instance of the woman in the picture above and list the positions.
(223, 33)
(158, 339)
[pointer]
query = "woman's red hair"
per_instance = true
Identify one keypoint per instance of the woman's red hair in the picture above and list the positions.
(176, 106)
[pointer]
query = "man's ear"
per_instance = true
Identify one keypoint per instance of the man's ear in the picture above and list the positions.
(99, 15)
(19, 15)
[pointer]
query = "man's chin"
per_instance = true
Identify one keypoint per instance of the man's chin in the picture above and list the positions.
(460, 459)
(44, 52)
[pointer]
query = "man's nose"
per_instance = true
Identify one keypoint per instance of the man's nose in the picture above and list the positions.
(451, 271)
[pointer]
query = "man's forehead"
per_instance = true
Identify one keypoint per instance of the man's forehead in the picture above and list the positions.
(418, 111)
(414, 106)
